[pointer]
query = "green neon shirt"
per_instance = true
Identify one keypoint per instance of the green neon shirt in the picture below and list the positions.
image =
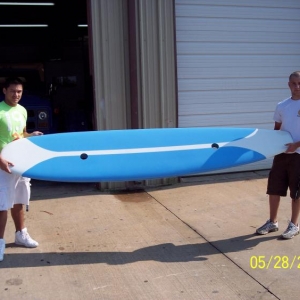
(12, 123)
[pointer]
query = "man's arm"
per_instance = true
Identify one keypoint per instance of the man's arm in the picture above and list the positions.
(35, 133)
(277, 126)
(291, 147)
(4, 165)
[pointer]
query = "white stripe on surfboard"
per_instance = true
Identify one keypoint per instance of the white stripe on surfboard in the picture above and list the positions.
(39, 154)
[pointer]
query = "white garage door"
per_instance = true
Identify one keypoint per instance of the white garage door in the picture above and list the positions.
(233, 61)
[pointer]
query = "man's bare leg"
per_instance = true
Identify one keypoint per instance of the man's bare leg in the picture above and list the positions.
(274, 201)
(17, 214)
(295, 211)
(3, 220)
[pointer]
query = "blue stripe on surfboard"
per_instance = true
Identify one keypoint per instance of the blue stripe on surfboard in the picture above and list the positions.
(141, 166)
(112, 139)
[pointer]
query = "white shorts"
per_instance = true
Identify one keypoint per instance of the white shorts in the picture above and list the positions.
(14, 189)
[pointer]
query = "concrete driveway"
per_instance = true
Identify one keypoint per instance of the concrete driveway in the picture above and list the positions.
(193, 240)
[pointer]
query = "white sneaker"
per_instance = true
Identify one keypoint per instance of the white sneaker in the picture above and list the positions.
(291, 231)
(2, 249)
(23, 238)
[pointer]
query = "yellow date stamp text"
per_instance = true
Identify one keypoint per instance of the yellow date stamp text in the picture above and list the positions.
(275, 262)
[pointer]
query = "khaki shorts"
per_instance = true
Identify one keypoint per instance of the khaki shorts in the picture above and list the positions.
(14, 189)
(284, 174)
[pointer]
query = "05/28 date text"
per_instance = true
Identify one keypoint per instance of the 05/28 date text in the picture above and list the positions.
(274, 261)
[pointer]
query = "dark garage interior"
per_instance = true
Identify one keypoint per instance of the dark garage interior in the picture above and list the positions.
(46, 44)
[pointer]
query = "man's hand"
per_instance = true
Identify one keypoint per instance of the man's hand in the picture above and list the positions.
(4, 165)
(35, 133)
(291, 147)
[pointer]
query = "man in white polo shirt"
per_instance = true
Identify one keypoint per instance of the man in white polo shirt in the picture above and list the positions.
(285, 172)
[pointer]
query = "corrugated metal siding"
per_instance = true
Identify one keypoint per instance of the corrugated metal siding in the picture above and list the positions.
(110, 63)
(157, 81)
(157, 64)
(110, 68)
(233, 61)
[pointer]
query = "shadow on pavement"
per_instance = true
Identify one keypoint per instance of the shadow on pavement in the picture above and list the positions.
(166, 253)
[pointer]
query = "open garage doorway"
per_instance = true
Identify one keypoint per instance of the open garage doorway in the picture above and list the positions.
(49, 38)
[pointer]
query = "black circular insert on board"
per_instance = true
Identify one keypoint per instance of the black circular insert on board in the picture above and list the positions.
(215, 145)
(83, 156)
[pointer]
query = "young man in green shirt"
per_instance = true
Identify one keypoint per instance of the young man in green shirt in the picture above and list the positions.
(14, 189)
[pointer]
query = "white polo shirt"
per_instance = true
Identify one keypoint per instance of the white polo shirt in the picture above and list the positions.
(287, 113)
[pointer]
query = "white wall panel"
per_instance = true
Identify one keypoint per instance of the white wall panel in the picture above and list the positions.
(233, 61)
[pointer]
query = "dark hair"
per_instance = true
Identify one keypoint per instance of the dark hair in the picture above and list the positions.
(12, 80)
(294, 74)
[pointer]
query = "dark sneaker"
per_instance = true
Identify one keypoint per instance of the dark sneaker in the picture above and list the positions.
(267, 227)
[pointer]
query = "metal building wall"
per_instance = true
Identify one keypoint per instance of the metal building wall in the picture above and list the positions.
(109, 36)
(157, 76)
(133, 66)
(234, 58)
(158, 105)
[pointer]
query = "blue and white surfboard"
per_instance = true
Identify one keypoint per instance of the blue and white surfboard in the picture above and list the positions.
(123, 155)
